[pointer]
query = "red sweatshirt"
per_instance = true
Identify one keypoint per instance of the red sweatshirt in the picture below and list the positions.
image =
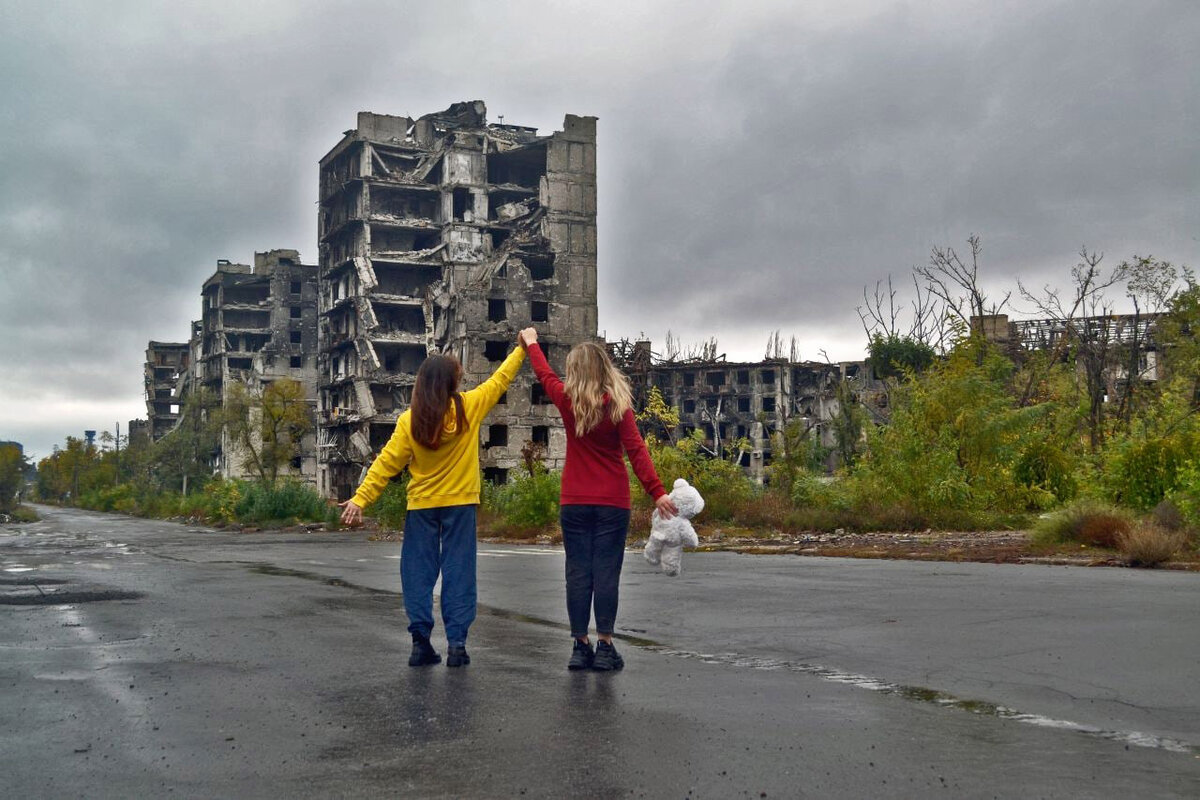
(595, 470)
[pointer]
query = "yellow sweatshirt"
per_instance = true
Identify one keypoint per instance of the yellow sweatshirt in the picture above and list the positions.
(449, 475)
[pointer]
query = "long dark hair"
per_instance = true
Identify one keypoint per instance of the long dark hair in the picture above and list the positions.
(437, 386)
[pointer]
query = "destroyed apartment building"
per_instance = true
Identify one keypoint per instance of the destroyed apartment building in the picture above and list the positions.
(166, 368)
(727, 401)
(258, 324)
(1120, 345)
(448, 234)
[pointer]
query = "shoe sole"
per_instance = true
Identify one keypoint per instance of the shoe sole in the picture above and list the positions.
(578, 667)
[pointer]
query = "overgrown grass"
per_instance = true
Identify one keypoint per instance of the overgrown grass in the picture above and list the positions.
(1087, 522)
(392, 505)
(524, 507)
(1148, 544)
(220, 502)
(19, 514)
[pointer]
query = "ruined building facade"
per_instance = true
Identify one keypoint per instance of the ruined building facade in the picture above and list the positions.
(166, 369)
(258, 324)
(448, 234)
(727, 401)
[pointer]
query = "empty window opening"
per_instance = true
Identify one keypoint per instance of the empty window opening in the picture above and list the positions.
(296, 287)
(541, 434)
(400, 319)
(499, 237)
(743, 376)
(537, 395)
(239, 363)
(296, 362)
(689, 406)
(497, 310)
(497, 476)
(503, 399)
(539, 311)
(769, 404)
(497, 436)
(715, 379)
(402, 358)
(743, 405)
(541, 266)
(768, 376)
(495, 350)
(689, 379)
(294, 312)
(297, 337)
(463, 205)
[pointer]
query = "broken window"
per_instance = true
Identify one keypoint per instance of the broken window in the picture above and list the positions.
(297, 337)
(743, 377)
(497, 436)
(715, 379)
(402, 358)
(768, 404)
(495, 350)
(503, 399)
(537, 395)
(294, 312)
(539, 311)
(689, 406)
(463, 205)
(497, 476)
(540, 265)
(296, 287)
(400, 318)
(689, 379)
(541, 435)
(239, 363)
(743, 405)
(768, 376)
(497, 310)
(499, 237)
(296, 362)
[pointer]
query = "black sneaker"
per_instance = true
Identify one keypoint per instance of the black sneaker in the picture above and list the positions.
(423, 653)
(607, 658)
(456, 656)
(582, 656)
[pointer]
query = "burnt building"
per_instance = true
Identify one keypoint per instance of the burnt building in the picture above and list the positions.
(727, 401)
(166, 366)
(258, 324)
(448, 234)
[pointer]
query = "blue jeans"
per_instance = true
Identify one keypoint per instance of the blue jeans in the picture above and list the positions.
(594, 538)
(439, 540)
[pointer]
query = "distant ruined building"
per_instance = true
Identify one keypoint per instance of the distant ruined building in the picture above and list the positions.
(448, 234)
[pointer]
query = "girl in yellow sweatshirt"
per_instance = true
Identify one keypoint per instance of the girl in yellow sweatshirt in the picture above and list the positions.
(437, 438)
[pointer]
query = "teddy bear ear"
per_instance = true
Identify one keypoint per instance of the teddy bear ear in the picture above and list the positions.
(680, 482)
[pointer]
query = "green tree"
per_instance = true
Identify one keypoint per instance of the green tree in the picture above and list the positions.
(658, 417)
(268, 425)
(13, 465)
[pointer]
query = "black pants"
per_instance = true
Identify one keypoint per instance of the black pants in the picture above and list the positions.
(594, 538)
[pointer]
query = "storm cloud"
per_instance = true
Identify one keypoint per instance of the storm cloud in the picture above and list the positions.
(758, 164)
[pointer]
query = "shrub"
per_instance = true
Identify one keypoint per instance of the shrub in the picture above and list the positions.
(1140, 473)
(1087, 521)
(527, 501)
(1185, 496)
(286, 501)
(392, 504)
(1148, 545)
(221, 499)
(1167, 515)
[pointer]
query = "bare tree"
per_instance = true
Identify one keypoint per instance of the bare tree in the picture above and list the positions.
(1085, 323)
(881, 316)
(956, 284)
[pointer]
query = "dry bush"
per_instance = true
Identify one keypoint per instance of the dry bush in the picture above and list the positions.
(1167, 515)
(1149, 544)
(1084, 522)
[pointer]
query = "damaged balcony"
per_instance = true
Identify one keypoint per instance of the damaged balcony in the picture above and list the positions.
(404, 206)
(400, 281)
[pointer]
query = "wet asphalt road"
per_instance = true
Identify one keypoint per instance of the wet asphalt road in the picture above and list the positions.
(166, 660)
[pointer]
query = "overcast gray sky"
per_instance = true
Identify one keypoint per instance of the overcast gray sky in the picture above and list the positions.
(758, 163)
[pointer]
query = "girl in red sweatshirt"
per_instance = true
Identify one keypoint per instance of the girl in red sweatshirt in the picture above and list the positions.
(597, 411)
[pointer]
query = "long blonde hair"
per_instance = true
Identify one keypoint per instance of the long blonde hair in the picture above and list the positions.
(590, 376)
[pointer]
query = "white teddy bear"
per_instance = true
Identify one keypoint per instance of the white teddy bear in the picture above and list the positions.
(668, 537)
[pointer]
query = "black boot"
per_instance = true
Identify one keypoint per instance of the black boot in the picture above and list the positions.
(456, 656)
(582, 656)
(423, 653)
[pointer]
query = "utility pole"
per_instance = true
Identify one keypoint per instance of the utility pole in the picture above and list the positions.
(117, 479)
